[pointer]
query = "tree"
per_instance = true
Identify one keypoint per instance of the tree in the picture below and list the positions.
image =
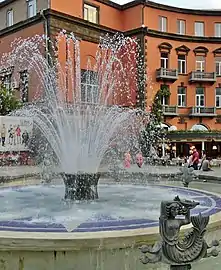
(8, 101)
(153, 133)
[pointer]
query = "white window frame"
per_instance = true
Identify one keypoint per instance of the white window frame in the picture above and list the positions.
(9, 17)
(165, 61)
(199, 29)
(219, 98)
(162, 24)
(181, 27)
(217, 29)
(201, 63)
(91, 13)
(182, 97)
(199, 98)
(218, 64)
(31, 8)
(90, 86)
(180, 65)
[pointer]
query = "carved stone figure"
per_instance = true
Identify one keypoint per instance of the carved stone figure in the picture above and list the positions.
(187, 175)
(179, 252)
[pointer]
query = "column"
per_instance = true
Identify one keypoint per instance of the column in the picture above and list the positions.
(203, 145)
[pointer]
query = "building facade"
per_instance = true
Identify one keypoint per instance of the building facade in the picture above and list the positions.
(181, 48)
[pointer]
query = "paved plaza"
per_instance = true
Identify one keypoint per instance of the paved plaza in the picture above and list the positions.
(20, 171)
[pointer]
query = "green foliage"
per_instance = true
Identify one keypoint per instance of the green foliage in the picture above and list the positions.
(153, 134)
(8, 101)
(194, 131)
(157, 108)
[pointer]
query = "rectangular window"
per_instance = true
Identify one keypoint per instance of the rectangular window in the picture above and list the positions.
(182, 64)
(200, 63)
(164, 60)
(200, 100)
(181, 94)
(199, 29)
(89, 87)
(218, 97)
(162, 24)
(9, 18)
(32, 8)
(218, 66)
(217, 29)
(90, 13)
(181, 27)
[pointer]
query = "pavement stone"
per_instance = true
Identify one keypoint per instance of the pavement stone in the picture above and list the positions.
(12, 172)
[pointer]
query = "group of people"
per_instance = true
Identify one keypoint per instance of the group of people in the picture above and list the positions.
(197, 163)
(128, 159)
(15, 135)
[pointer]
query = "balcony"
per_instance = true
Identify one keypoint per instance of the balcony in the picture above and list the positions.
(170, 110)
(200, 76)
(166, 74)
(203, 111)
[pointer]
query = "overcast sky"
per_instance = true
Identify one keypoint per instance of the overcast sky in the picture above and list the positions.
(207, 4)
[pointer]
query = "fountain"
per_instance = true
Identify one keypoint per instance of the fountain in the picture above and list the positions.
(78, 112)
(77, 116)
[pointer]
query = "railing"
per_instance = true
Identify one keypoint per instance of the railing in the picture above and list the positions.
(202, 76)
(170, 110)
(165, 73)
(204, 111)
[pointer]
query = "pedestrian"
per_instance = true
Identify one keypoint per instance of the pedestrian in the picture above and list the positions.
(127, 160)
(195, 160)
(139, 159)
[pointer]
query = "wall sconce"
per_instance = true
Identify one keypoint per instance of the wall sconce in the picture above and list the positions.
(214, 147)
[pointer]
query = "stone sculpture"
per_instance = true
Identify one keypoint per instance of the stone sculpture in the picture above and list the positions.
(187, 175)
(179, 252)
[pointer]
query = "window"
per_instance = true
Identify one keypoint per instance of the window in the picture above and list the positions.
(90, 13)
(199, 29)
(217, 29)
(89, 86)
(163, 24)
(181, 94)
(182, 64)
(200, 63)
(164, 60)
(181, 27)
(9, 18)
(218, 66)
(200, 97)
(218, 97)
(32, 8)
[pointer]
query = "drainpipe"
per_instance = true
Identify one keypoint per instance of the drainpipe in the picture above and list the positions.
(46, 33)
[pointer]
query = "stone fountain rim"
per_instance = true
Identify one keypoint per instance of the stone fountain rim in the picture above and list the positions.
(38, 241)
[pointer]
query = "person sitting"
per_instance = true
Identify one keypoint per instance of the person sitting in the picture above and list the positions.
(206, 165)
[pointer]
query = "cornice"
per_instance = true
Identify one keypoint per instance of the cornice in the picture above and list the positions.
(182, 38)
(21, 25)
(147, 3)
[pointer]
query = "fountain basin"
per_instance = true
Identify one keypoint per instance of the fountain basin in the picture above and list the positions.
(104, 244)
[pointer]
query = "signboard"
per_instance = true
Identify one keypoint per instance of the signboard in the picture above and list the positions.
(15, 133)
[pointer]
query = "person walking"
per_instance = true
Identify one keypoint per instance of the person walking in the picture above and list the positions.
(127, 160)
(139, 159)
(195, 160)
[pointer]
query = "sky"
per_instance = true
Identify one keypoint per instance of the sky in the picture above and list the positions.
(200, 4)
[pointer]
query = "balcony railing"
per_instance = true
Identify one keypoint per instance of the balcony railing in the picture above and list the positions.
(170, 110)
(167, 74)
(200, 76)
(203, 111)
